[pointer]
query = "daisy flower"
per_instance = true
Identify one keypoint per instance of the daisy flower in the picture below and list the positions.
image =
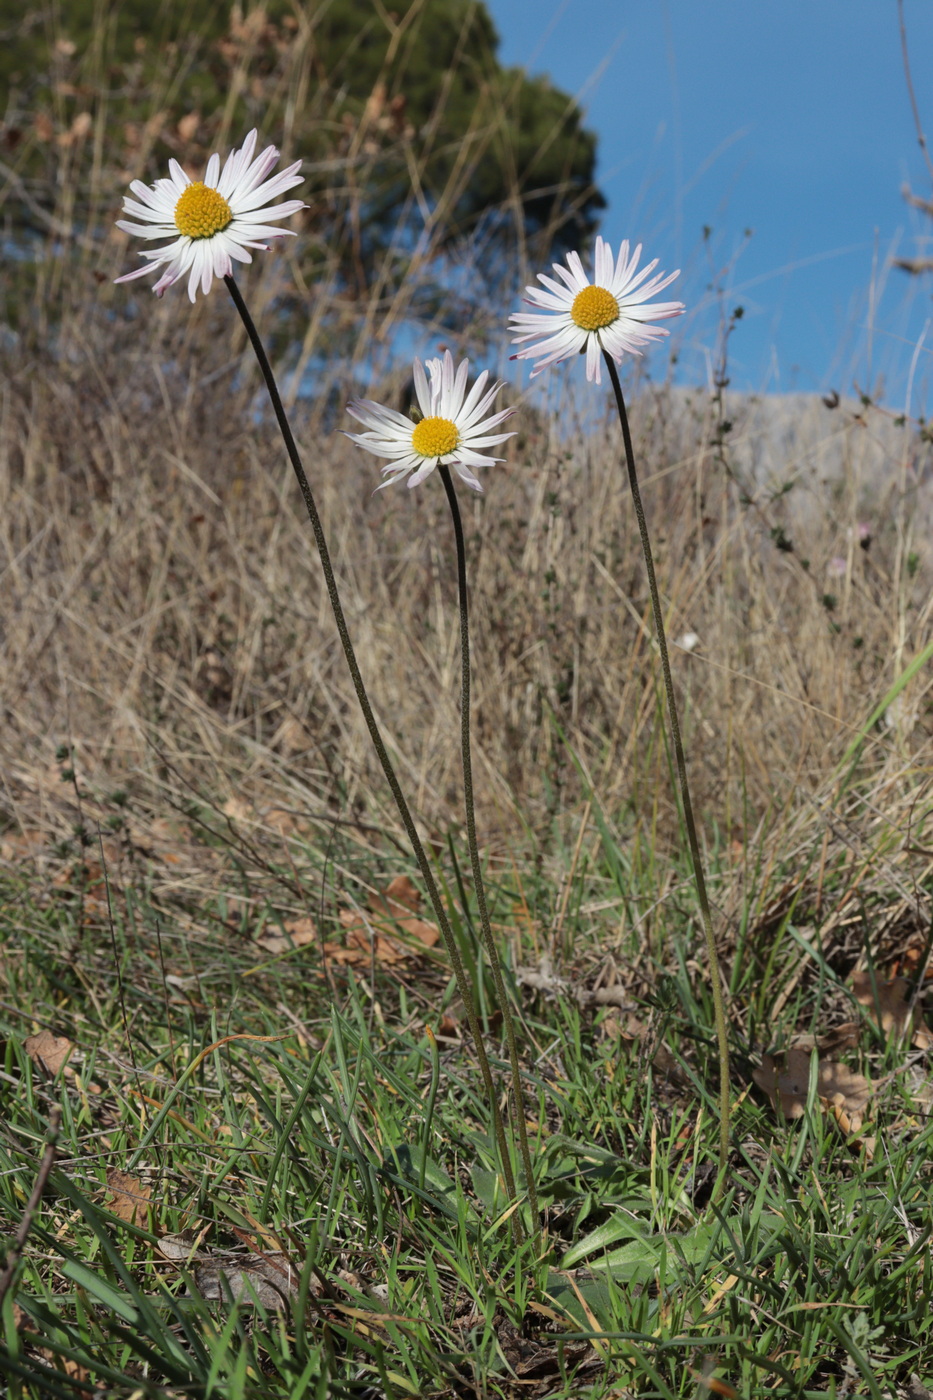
(608, 313)
(211, 221)
(452, 430)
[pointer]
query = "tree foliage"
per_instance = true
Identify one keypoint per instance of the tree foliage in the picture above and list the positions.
(415, 138)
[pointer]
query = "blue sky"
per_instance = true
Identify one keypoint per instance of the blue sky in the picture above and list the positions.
(787, 117)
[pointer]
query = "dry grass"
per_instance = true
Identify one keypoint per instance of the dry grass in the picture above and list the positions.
(164, 611)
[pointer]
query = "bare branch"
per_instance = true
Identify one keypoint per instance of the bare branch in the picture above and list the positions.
(32, 1205)
(921, 137)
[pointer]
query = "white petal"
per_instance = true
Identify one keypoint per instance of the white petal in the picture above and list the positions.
(422, 391)
(424, 471)
(466, 475)
(251, 195)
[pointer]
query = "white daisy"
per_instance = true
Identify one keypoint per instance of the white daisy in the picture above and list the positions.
(212, 221)
(609, 313)
(451, 431)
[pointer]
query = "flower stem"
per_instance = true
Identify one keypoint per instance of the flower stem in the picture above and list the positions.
(517, 1100)
(715, 975)
(440, 913)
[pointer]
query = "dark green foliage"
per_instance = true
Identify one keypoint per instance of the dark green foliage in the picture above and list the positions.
(412, 133)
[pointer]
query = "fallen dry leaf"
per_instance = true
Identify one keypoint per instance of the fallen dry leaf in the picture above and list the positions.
(393, 912)
(48, 1050)
(297, 933)
(400, 894)
(833, 1042)
(184, 1246)
(73, 1369)
(128, 1198)
(889, 1008)
(270, 1278)
(785, 1078)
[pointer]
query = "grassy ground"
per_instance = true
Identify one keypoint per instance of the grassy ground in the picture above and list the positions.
(264, 1181)
(239, 1123)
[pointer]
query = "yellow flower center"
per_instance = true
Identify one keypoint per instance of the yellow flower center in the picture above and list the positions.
(201, 211)
(594, 308)
(435, 437)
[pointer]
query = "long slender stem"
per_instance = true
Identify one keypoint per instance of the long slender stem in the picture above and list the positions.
(715, 975)
(518, 1098)
(427, 874)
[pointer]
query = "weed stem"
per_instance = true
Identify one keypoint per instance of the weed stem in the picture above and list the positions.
(463, 985)
(517, 1104)
(715, 974)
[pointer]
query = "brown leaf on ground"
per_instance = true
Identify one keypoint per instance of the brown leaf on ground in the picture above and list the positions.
(297, 934)
(128, 1198)
(76, 1372)
(270, 1279)
(50, 1051)
(833, 1042)
(785, 1078)
(888, 1006)
(393, 913)
(184, 1246)
(398, 897)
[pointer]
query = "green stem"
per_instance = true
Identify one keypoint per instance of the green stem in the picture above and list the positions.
(432, 1099)
(518, 1099)
(715, 975)
(427, 874)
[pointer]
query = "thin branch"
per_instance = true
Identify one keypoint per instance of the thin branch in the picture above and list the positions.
(921, 136)
(32, 1205)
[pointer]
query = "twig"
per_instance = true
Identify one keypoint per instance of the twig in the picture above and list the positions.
(32, 1205)
(921, 135)
(722, 1030)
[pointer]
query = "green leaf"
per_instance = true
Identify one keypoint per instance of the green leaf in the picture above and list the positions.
(620, 1227)
(100, 1289)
